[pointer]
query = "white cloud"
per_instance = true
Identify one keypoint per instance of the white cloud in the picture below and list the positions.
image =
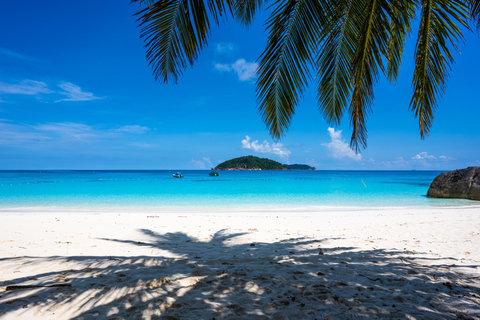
(34, 136)
(70, 130)
(222, 67)
(398, 162)
(14, 54)
(338, 147)
(23, 135)
(35, 88)
(424, 156)
(204, 163)
(245, 71)
(20, 135)
(427, 160)
(132, 129)
(65, 140)
(265, 147)
(75, 93)
(225, 47)
(26, 87)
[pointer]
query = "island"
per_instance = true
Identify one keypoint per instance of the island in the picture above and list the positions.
(251, 163)
(299, 167)
(256, 163)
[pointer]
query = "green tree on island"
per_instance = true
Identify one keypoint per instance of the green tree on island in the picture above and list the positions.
(346, 43)
(250, 163)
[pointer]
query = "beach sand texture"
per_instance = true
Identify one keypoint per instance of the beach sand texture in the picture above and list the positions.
(393, 263)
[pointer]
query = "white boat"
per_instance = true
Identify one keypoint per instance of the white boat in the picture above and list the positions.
(177, 175)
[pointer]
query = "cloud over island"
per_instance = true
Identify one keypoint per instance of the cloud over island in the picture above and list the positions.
(338, 148)
(265, 147)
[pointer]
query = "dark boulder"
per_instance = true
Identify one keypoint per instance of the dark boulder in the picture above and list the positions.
(463, 184)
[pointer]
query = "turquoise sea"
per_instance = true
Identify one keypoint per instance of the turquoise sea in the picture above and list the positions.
(158, 189)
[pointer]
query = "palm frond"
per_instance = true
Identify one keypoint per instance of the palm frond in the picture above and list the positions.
(144, 2)
(438, 32)
(175, 31)
(284, 68)
(400, 26)
(220, 8)
(245, 10)
(475, 12)
(372, 46)
(334, 63)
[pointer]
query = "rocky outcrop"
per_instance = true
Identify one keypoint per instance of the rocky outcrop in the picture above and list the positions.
(463, 184)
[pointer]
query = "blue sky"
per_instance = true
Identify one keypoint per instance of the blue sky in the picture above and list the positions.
(76, 93)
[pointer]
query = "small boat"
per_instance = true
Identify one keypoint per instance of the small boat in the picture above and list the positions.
(213, 174)
(177, 175)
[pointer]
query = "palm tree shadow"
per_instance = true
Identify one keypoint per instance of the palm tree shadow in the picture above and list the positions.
(221, 277)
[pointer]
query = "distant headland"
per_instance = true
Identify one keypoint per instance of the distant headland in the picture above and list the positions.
(299, 167)
(256, 163)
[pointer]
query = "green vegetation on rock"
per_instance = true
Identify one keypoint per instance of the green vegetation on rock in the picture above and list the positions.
(250, 163)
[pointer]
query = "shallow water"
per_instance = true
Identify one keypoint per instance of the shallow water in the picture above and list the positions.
(153, 189)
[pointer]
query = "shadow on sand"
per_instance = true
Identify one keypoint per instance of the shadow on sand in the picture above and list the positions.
(297, 278)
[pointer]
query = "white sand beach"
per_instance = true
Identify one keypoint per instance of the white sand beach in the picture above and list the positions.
(385, 263)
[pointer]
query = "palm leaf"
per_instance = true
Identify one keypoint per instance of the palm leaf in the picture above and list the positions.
(294, 28)
(334, 63)
(220, 8)
(175, 31)
(372, 47)
(402, 14)
(438, 32)
(475, 12)
(245, 10)
(144, 2)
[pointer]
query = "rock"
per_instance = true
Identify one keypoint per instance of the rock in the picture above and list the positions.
(462, 184)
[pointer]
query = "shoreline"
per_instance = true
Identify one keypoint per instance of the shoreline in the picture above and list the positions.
(402, 263)
(220, 209)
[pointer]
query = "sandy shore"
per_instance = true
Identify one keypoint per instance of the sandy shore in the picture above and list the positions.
(327, 264)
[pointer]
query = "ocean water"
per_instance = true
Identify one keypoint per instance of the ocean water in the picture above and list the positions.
(158, 189)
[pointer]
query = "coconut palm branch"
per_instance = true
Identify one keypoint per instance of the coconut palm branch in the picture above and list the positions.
(337, 48)
(175, 31)
(475, 12)
(438, 32)
(359, 36)
(245, 10)
(403, 12)
(372, 47)
(284, 69)
(348, 43)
